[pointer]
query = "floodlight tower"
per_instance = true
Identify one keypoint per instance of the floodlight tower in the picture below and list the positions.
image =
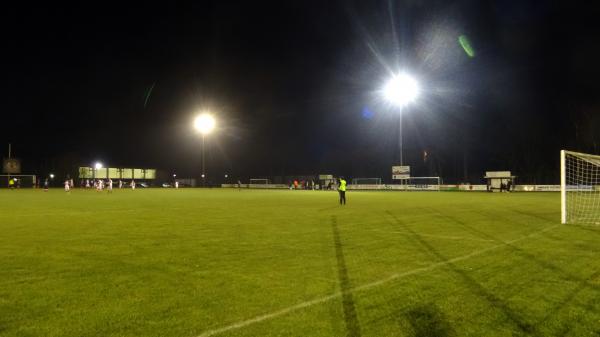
(400, 90)
(204, 123)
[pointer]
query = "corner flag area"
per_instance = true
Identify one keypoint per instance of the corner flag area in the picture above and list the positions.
(229, 262)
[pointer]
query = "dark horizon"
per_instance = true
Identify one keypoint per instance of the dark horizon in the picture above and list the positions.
(294, 87)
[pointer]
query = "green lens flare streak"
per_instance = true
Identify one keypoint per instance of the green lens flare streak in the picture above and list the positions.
(466, 45)
(148, 94)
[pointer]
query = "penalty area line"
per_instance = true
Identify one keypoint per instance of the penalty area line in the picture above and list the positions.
(363, 287)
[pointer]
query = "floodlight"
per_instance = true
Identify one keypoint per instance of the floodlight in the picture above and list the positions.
(174, 175)
(98, 165)
(202, 175)
(226, 176)
(204, 123)
(401, 90)
(51, 176)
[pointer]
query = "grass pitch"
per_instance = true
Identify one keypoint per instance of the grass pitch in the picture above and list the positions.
(193, 262)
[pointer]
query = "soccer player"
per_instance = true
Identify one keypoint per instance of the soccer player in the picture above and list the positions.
(11, 184)
(67, 185)
(342, 191)
(132, 184)
(109, 187)
(176, 184)
(87, 183)
(120, 183)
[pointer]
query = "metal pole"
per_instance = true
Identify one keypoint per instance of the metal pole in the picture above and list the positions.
(400, 140)
(9, 148)
(203, 173)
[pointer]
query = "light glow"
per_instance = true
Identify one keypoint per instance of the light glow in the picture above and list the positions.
(401, 90)
(98, 165)
(204, 123)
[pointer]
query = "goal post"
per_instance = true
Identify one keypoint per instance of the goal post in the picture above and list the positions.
(366, 181)
(260, 181)
(424, 183)
(18, 180)
(579, 188)
(563, 188)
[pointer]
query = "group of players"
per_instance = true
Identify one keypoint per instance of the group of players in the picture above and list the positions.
(98, 184)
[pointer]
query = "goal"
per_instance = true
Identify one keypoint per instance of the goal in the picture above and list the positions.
(20, 180)
(259, 181)
(423, 183)
(366, 181)
(579, 188)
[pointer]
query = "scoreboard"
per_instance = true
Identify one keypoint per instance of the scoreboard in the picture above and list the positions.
(11, 166)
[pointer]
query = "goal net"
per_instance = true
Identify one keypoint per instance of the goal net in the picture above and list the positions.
(18, 180)
(579, 188)
(259, 181)
(366, 181)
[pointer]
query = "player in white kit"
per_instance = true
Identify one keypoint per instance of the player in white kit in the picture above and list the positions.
(133, 184)
(67, 185)
(109, 185)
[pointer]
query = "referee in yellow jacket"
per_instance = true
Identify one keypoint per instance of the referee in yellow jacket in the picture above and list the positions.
(342, 191)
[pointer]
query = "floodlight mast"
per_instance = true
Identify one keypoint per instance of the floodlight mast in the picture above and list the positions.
(204, 123)
(401, 90)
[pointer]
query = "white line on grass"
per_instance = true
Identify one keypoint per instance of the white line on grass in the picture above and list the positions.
(436, 236)
(367, 286)
(64, 212)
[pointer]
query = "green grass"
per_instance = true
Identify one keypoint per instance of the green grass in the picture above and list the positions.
(193, 262)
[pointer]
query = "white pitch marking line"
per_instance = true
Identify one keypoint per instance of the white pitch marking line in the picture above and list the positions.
(436, 236)
(390, 278)
(63, 212)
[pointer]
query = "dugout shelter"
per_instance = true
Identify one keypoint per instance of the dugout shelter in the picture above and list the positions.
(499, 181)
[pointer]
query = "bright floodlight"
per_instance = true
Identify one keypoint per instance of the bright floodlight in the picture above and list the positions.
(204, 123)
(98, 166)
(51, 176)
(401, 90)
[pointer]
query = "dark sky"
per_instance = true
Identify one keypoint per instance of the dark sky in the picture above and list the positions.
(295, 86)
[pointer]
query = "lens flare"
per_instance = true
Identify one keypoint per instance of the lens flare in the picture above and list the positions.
(466, 45)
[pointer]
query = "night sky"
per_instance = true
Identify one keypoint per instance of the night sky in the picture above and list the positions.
(295, 86)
